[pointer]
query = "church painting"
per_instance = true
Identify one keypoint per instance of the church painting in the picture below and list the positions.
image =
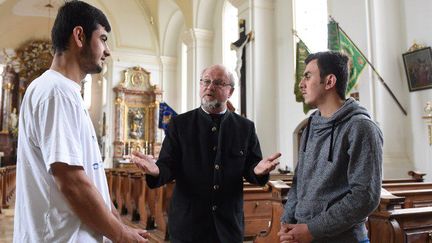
(418, 68)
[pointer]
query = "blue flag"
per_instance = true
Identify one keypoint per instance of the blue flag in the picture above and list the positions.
(165, 115)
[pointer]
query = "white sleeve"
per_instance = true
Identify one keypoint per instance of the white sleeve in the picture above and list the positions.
(57, 127)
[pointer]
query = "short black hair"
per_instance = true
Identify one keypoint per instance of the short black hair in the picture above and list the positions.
(76, 13)
(333, 62)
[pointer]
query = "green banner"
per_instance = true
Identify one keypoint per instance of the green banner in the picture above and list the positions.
(333, 36)
(302, 53)
(338, 41)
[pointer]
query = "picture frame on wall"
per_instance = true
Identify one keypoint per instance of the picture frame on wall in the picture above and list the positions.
(418, 68)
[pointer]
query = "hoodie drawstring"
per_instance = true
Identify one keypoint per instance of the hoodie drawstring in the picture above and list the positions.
(307, 133)
(330, 156)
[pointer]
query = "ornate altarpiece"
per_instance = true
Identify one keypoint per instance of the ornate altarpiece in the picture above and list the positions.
(135, 114)
(27, 62)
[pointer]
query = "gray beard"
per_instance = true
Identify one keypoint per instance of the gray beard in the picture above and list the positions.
(210, 105)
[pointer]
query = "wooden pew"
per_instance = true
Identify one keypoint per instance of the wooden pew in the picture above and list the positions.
(263, 207)
(389, 201)
(282, 184)
(147, 205)
(279, 194)
(134, 189)
(108, 174)
(2, 175)
(123, 191)
(139, 205)
(407, 186)
(282, 177)
(415, 198)
(412, 225)
(144, 202)
(162, 198)
(257, 211)
(287, 178)
(115, 180)
(7, 184)
(411, 198)
(257, 207)
(402, 216)
(415, 176)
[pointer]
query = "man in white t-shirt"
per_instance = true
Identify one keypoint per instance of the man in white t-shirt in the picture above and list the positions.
(62, 193)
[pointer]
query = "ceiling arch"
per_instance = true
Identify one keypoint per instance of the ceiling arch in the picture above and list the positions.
(205, 14)
(131, 28)
(171, 24)
(21, 20)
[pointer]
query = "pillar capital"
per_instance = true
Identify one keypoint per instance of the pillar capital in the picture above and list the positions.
(198, 37)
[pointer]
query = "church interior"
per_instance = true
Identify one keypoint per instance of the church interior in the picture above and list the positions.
(158, 51)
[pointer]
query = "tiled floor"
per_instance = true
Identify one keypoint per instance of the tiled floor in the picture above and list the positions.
(6, 224)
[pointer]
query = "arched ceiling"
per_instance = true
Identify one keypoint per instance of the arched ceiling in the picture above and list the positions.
(131, 28)
(198, 13)
(21, 20)
(206, 10)
(171, 24)
(150, 27)
(19, 25)
(186, 7)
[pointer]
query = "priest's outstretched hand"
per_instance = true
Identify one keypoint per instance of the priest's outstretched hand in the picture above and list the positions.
(267, 164)
(145, 162)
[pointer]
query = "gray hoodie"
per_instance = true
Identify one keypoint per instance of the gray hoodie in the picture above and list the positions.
(337, 180)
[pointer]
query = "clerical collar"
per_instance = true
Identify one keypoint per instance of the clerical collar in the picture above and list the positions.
(220, 113)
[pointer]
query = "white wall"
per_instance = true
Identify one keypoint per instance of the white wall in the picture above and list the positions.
(290, 113)
(418, 26)
(388, 39)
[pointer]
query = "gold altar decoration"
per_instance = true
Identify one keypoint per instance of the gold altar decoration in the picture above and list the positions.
(23, 65)
(428, 117)
(135, 113)
(415, 47)
(34, 57)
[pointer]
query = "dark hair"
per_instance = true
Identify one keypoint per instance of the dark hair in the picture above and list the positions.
(332, 62)
(76, 13)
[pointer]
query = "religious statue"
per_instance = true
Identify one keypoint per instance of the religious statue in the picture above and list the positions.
(13, 122)
(136, 124)
(238, 46)
(13, 119)
(428, 109)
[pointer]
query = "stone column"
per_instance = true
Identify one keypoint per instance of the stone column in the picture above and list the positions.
(199, 44)
(171, 92)
(261, 82)
(388, 44)
(8, 85)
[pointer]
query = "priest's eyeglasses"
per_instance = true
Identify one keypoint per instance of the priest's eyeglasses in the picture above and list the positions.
(217, 83)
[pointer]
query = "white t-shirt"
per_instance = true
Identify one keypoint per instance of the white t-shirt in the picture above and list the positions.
(54, 126)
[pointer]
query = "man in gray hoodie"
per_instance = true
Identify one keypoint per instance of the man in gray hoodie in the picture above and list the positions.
(337, 180)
